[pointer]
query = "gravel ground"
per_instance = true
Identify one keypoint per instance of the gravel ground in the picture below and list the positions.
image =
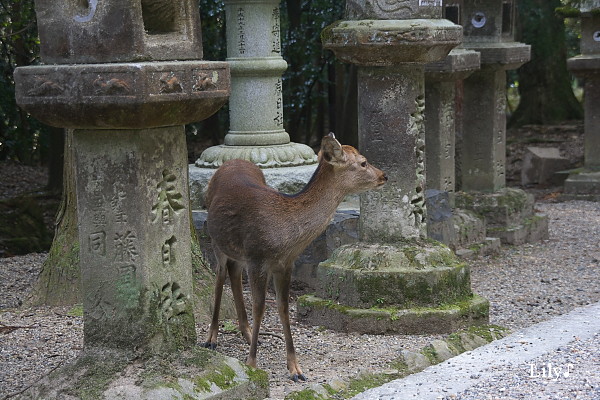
(525, 284)
(579, 376)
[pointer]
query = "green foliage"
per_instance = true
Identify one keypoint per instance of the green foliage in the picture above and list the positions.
(308, 80)
(22, 138)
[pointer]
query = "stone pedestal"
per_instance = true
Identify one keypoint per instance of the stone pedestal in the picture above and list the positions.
(256, 129)
(585, 184)
(489, 29)
(127, 120)
(391, 55)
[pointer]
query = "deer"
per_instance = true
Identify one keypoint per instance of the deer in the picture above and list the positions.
(254, 226)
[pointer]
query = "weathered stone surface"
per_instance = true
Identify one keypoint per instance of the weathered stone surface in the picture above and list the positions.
(531, 230)
(119, 96)
(397, 210)
(413, 274)
(444, 319)
(415, 362)
(540, 164)
(505, 207)
(458, 64)
(404, 9)
(191, 374)
(508, 55)
(134, 231)
(103, 31)
(582, 183)
(390, 42)
(483, 150)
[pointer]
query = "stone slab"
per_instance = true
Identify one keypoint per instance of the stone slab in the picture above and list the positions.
(123, 95)
(583, 183)
(389, 42)
(504, 55)
(584, 64)
(458, 64)
(540, 164)
(449, 318)
(93, 31)
(196, 373)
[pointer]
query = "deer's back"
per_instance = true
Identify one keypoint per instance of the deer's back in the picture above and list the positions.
(244, 214)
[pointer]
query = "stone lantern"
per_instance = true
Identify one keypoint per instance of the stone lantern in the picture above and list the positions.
(489, 29)
(256, 131)
(585, 183)
(125, 77)
(393, 268)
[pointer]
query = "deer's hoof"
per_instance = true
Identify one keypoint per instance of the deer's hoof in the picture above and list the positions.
(299, 377)
(210, 345)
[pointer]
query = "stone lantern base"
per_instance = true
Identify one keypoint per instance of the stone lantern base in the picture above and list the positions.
(509, 214)
(416, 287)
(195, 373)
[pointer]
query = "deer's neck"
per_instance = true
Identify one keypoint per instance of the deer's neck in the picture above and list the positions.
(317, 202)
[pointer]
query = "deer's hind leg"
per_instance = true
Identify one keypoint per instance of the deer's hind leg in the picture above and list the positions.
(235, 276)
(282, 287)
(221, 275)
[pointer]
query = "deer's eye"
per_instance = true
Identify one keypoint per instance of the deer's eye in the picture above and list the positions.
(363, 164)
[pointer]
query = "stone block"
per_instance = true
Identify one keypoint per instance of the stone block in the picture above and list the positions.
(540, 164)
(506, 207)
(89, 32)
(415, 362)
(583, 183)
(532, 230)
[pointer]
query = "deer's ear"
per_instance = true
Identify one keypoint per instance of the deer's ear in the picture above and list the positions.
(331, 150)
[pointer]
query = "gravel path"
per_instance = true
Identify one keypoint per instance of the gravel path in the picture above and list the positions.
(525, 284)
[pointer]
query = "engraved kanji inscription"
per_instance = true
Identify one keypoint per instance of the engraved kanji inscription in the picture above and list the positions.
(125, 245)
(169, 201)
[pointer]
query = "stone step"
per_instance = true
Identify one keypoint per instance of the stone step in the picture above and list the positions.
(446, 318)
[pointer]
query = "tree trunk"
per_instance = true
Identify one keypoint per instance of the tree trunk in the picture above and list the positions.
(544, 82)
(59, 280)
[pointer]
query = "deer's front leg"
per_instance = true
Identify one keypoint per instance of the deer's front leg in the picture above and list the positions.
(282, 287)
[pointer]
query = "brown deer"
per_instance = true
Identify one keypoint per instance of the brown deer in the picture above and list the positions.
(255, 226)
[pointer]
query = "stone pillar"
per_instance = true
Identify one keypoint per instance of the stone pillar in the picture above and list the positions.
(489, 29)
(585, 184)
(440, 126)
(126, 115)
(459, 229)
(256, 131)
(392, 267)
